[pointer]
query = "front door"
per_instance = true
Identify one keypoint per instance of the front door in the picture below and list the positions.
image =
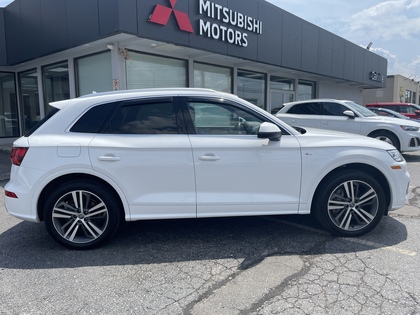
(237, 173)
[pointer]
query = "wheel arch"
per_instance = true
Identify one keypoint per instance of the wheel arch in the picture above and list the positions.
(360, 167)
(386, 131)
(71, 177)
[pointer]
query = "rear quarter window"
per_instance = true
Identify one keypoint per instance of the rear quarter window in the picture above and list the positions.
(93, 120)
(306, 109)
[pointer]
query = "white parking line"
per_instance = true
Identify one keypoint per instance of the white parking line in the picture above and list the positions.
(354, 240)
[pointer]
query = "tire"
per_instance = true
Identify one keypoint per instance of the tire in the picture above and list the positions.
(349, 203)
(76, 229)
(387, 137)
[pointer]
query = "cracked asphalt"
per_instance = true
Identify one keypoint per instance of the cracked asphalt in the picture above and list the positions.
(259, 265)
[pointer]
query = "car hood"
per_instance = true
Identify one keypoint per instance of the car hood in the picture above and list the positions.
(392, 120)
(313, 137)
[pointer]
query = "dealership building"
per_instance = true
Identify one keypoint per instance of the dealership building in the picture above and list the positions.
(57, 49)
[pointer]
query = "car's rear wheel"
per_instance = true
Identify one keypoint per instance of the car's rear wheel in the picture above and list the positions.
(82, 214)
(387, 137)
(350, 203)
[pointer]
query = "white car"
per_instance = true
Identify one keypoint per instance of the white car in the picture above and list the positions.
(348, 116)
(99, 160)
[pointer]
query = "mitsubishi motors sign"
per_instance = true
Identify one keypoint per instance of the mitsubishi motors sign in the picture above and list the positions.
(215, 22)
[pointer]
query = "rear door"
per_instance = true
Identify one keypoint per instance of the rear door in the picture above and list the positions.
(306, 114)
(146, 151)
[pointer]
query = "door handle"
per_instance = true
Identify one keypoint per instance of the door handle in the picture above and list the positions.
(325, 123)
(110, 157)
(294, 120)
(209, 157)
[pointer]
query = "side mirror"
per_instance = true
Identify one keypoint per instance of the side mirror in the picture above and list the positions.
(349, 114)
(269, 131)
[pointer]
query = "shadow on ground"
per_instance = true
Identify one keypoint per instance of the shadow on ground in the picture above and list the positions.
(251, 239)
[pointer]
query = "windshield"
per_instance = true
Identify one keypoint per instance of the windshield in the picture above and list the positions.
(365, 112)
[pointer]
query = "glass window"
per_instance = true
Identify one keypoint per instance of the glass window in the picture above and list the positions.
(280, 83)
(281, 91)
(251, 87)
(9, 122)
(92, 121)
(212, 77)
(28, 82)
(94, 74)
(306, 90)
(144, 118)
(56, 83)
(408, 96)
(333, 109)
(222, 119)
(148, 71)
(306, 109)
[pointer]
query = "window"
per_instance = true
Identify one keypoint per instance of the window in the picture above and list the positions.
(212, 77)
(281, 91)
(94, 74)
(148, 71)
(306, 109)
(56, 83)
(251, 87)
(9, 122)
(408, 96)
(222, 119)
(28, 83)
(92, 121)
(333, 109)
(144, 118)
(306, 90)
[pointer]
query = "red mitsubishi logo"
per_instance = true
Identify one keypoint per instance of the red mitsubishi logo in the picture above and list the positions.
(161, 15)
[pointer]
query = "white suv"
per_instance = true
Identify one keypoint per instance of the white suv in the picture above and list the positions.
(348, 116)
(96, 161)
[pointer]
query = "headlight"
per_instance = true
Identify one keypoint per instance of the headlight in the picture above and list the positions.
(396, 155)
(409, 128)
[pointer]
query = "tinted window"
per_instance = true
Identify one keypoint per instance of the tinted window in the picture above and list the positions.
(406, 109)
(333, 109)
(222, 119)
(93, 119)
(144, 118)
(306, 109)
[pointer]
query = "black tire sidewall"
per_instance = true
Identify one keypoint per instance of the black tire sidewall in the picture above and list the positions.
(325, 190)
(100, 190)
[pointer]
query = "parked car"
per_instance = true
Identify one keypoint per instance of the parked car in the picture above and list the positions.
(406, 109)
(99, 160)
(388, 112)
(348, 116)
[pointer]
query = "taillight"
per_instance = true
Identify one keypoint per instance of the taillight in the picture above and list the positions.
(17, 154)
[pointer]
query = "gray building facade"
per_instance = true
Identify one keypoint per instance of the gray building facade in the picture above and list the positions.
(55, 49)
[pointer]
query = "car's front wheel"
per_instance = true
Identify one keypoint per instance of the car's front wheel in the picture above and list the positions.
(387, 137)
(350, 203)
(82, 214)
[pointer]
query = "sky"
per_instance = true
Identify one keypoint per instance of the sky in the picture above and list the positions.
(392, 26)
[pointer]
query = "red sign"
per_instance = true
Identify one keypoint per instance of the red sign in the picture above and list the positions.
(161, 15)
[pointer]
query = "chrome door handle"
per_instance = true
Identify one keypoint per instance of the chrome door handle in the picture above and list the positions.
(209, 157)
(109, 158)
